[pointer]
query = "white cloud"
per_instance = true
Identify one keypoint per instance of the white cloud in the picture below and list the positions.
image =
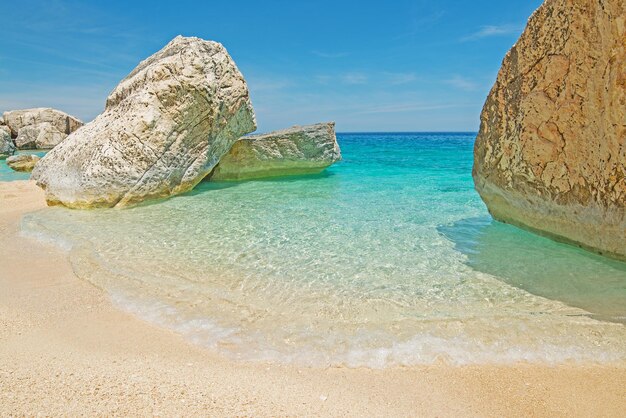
(84, 102)
(408, 107)
(462, 83)
(493, 30)
(323, 79)
(421, 21)
(323, 54)
(400, 78)
(268, 83)
(354, 78)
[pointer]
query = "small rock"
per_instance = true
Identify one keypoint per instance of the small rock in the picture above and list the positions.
(22, 162)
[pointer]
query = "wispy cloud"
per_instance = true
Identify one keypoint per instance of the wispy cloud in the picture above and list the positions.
(408, 107)
(323, 54)
(268, 83)
(493, 30)
(85, 101)
(462, 83)
(79, 19)
(354, 78)
(67, 68)
(400, 78)
(323, 79)
(420, 22)
(359, 77)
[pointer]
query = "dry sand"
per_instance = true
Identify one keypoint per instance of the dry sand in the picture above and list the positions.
(65, 350)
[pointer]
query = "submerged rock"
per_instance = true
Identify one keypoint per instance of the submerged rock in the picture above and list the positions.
(42, 128)
(164, 128)
(22, 162)
(7, 148)
(551, 152)
(297, 150)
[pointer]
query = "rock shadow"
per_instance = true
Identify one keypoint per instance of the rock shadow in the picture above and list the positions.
(543, 267)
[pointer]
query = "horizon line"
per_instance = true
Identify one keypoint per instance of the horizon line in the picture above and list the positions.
(407, 132)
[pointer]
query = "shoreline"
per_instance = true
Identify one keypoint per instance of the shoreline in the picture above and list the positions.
(66, 349)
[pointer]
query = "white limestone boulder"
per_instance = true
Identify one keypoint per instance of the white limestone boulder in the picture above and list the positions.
(297, 150)
(164, 128)
(42, 128)
(39, 136)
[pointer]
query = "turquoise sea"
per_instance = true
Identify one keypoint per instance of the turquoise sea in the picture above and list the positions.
(7, 174)
(386, 258)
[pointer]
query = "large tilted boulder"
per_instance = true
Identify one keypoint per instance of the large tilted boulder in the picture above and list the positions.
(7, 148)
(22, 162)
(551, 152)
(42, 128)
(164, 128)
(297, 150)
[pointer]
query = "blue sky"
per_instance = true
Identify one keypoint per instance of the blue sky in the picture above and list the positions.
(368, 65)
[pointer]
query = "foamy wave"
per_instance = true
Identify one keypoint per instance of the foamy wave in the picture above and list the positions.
(423, 349)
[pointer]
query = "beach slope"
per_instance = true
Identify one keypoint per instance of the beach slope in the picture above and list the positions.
(66, 350)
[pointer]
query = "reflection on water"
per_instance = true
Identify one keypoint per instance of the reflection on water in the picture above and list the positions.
(543, 267)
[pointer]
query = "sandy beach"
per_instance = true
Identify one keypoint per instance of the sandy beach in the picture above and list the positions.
(66, 350)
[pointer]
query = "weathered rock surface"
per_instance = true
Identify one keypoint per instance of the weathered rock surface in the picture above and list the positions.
(40, 127)
(297, 150)
(22, 162)
(41, 136)
(164, 128)
(7, 148)
(551, 152)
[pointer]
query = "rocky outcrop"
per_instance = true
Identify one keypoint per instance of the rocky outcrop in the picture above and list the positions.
(22, 162)
(42, 128)
(7, 148)
(164, 128)
(551, 152)
(40, 136)
(297, 150)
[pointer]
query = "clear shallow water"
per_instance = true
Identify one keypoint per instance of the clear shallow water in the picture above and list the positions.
(386, 258)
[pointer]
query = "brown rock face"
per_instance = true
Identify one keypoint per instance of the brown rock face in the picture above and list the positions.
(551, 152)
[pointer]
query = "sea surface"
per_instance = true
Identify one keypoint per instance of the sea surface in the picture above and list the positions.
(386, 258)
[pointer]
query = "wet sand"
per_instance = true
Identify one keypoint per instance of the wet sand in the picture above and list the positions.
(65, 349)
